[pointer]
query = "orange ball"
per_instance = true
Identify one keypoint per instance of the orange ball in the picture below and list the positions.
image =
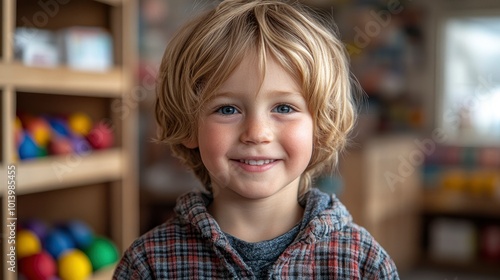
(39, 130)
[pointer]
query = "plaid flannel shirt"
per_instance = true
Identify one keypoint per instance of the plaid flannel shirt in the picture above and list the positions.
(192, 246)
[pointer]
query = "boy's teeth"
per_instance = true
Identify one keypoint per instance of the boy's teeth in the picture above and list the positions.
(256, 162)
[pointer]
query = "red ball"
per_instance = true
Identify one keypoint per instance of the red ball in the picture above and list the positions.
(40, 266)
(101, 136)
(60, 146)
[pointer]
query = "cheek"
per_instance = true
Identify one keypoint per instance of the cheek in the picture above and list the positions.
(212, 142)
(299, 140)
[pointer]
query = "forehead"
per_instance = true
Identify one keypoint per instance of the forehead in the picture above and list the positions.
(254, 75)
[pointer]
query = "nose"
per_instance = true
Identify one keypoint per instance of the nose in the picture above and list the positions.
(257, 130)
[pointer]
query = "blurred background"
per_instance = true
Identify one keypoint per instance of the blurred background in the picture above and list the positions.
(84, 177)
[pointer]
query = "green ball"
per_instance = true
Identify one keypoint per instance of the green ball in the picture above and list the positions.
(102, 253)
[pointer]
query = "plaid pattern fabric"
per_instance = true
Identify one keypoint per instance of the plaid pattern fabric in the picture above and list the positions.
(192, 246)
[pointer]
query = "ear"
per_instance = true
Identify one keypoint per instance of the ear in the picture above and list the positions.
(190, 143)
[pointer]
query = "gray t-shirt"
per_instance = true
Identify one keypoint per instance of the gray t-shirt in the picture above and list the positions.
(260, 256)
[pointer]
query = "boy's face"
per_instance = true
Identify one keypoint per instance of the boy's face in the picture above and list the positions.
(256, 139)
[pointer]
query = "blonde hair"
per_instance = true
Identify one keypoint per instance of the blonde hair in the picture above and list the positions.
(206, 50)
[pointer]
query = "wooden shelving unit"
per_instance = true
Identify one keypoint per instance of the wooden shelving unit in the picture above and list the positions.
(476, 209)
(454, 203)
(102, 182)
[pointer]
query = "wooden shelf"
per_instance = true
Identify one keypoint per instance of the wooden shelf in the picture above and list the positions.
(63, 187)
(62, 80)
(454, 203)
(65, 171)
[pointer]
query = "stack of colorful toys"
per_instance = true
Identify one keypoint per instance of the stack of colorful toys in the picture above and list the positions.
(469, 171)
(70, 251)
(39, 136)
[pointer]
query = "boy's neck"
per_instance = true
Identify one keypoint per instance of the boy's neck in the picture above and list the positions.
(257, 220)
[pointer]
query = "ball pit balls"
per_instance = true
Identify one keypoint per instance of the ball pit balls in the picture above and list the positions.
(27, 243)
(101, 136)
(28, 148)
(60, 146)
(40, 266)
(74, 265)
(80, 123)
(37, 227)
(18, 131)
(80, 233)
(59, 127)
(39, 130)
(57, 242)
(102, 253)
(80, 145)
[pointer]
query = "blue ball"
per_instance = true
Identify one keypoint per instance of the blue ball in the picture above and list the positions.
(59, 126)
(57, 242)
(28, 148)
(80, 233)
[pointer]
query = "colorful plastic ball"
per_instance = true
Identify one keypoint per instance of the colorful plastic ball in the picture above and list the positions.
(80, 123)
(74, 265)
(102, 253)
(59, 127)
(37, 227)
(27, 243)
(40, 266)
(101, 136)
(18, 131)
(80, 145)
(39, 129)
(60, 146)
(80, 233)
(28, 148)
(57, 242)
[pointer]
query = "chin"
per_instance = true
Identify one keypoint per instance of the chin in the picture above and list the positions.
(258, 192)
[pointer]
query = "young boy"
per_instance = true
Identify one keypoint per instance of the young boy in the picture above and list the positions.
(255, 97)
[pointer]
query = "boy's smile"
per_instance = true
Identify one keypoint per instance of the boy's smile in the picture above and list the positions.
(255, 136)
(256, 165)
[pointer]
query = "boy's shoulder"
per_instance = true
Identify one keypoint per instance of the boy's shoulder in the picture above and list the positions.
(339, 239)
(190, 210)
(168, 246)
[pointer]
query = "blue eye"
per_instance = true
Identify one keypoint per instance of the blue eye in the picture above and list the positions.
(283, 109)
(227, 110)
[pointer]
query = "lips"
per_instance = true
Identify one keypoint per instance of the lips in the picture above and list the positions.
(256, 162)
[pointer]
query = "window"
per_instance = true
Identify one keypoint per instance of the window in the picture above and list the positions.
(470, 85)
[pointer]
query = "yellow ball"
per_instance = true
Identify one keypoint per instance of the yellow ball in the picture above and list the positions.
(41, 136)
(80, 123)
(74, 265)
(18, 125)
(27, 244)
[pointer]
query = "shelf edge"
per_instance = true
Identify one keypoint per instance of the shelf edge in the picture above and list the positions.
(62, 80)
(61, 172)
